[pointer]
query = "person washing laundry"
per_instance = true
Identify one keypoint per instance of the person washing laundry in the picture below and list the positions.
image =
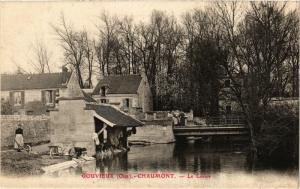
(95, 137)
(19, 141)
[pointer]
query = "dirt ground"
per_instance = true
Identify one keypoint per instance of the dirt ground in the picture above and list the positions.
(15, 163)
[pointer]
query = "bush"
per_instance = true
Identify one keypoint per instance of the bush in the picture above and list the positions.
(6, 107)
(278, 138)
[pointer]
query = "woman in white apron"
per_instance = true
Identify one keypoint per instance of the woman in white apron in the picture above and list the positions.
(19, 143)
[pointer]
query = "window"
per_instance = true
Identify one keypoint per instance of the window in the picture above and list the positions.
(227, 83)
(103, 91)
(17, 98)
(49, 97)
(228, 109)
(103, 101)
(126, 102)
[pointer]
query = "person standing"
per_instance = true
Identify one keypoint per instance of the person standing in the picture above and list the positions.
(96, 141)
(174, 120)
(19, 142)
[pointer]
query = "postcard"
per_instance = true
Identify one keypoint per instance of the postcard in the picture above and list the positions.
(149, 94)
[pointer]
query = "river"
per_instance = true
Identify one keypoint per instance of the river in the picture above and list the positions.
(195, 158)
(223, 162)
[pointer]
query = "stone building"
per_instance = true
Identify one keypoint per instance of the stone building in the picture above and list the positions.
(78, 116)
(130, 93)
(33, 93)
(228, 104)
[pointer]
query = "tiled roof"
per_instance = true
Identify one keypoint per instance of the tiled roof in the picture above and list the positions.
(119, 84)
(33, 81)
(114, 116)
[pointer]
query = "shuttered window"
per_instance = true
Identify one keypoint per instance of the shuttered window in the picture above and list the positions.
(48, 97)
(17, 98)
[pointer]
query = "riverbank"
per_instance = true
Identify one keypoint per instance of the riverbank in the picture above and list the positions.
(22, 164)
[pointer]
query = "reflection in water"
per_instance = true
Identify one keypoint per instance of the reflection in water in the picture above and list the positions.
(194, 158)
(112, 165)
(198, 158)
(153, 157)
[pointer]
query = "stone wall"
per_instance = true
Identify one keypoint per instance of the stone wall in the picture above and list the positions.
(155, 132)
(35, 129)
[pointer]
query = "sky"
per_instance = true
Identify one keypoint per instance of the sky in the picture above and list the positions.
(24, 23)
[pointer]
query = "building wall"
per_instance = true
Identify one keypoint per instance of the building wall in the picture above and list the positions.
(30, 96)
(235, 107)
(142, 100)
(33, 95)
(154, 131)
(117, 100)
(5, 95)
(35, 129)
(71, 125)
(120, 99)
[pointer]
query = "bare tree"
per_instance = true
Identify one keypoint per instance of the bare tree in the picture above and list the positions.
(107, 44)
(89, 55)
(127, 39)
(72, 43)
(41, 63)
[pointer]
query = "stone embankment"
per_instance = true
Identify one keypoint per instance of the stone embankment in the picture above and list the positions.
(153, 132)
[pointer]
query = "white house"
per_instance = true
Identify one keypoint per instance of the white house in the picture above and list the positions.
(23, 90)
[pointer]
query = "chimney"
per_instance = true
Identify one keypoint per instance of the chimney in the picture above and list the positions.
(64, 69)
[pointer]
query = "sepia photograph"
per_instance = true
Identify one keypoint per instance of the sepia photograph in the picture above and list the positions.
(149, 94)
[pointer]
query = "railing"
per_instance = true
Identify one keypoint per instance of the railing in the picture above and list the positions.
(226, 121)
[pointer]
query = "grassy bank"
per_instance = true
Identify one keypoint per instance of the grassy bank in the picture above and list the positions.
(15, 163)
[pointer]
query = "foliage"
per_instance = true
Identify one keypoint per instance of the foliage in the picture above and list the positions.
(258, 52)
(278, 138)
(6, 107)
